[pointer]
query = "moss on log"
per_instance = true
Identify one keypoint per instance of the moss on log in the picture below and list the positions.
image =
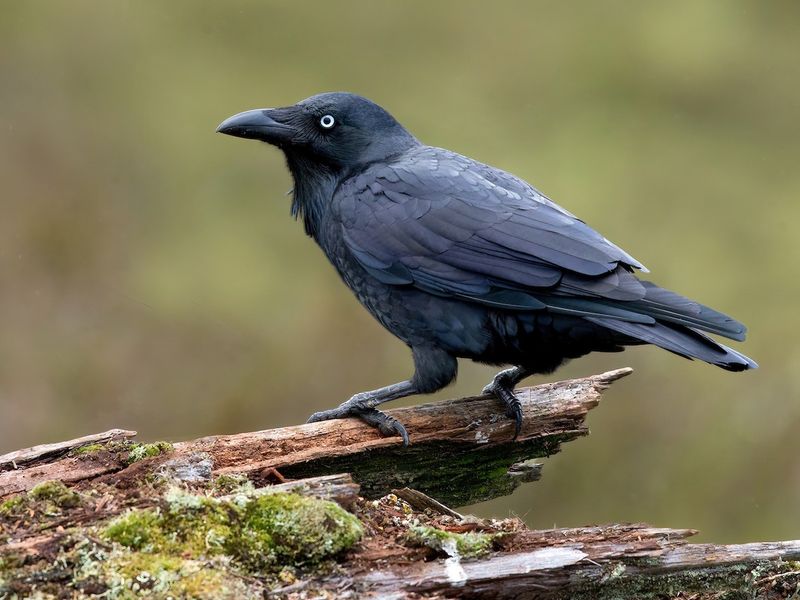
(242, 516)
(462, 451)
(228, 538)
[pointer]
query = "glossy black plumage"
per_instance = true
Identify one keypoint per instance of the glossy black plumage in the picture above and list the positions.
(459, 259)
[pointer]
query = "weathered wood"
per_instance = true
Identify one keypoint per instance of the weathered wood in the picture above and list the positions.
(42, 452)
(586, 563)
(339, 488)
(422, 502)
(631, 561)
(462, 451)
(413, 545)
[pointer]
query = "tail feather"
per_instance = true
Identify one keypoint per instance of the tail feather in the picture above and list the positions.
(681, 340)
(674, 308)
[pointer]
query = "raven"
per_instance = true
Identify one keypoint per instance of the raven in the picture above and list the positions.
(462, 260)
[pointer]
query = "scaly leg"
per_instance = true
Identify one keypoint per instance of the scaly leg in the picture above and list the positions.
(434, 369)
(502, 386)
(363, 405)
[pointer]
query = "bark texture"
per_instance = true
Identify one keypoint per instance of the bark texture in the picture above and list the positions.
(333, 510)
(461, 450)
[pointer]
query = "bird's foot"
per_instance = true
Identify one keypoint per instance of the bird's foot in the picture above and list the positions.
(502, 387)
(372, 416)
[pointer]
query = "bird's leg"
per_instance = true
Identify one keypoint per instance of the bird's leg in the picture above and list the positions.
(362, 405)
(502, 386)
(434, 369)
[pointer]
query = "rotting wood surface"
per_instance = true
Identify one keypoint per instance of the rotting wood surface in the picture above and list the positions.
(461, 450)
(54, 539)
(404, 554)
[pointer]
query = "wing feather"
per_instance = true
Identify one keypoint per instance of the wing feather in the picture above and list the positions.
(452, 226)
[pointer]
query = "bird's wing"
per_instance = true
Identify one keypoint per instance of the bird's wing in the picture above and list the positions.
(451, 226)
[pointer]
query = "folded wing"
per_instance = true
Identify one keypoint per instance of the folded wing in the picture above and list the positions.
(454, 227)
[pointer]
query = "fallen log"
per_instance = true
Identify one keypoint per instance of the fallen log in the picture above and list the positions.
(275, 514)
(462, 451)
(93, 544)
(616, 561)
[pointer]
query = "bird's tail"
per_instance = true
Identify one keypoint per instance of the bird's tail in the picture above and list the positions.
(677, 328)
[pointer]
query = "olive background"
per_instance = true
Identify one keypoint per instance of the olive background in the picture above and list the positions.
(151, 277)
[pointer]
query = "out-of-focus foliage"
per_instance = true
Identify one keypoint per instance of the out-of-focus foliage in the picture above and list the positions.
(151, 277)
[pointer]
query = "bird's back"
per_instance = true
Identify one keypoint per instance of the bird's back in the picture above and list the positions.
(462, 237)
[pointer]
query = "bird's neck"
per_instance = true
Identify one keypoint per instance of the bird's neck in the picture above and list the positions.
(313, 190)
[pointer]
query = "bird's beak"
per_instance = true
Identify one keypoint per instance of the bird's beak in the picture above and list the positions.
(262, 124)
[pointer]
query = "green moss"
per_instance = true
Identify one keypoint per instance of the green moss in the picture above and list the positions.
(139, 452)
(195, 525)
(89, 449)
(121, 445)
(57, 493)
(441, 469)
(141, 571)
(136, 529)
(13, 506)
(196, 581)
(190, 526)
(261, 534)
(190, 546)
(163, 576)
(122, 574)
(281, 529)
(232, 484)
(467, 545)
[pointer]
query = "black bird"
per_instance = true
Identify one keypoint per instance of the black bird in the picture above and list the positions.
(462, 260)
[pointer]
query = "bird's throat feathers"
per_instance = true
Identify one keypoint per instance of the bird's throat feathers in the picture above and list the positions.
(312, 193)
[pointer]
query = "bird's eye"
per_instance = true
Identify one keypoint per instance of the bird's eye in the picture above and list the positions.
(327, 121)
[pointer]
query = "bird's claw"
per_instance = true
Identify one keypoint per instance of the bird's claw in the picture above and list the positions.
(387, 425)
(514, 411)
(325, 415)
(505, 393)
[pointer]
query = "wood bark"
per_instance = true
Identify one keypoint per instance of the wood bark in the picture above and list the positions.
(462, 451)
(615, 561)
(454, 445)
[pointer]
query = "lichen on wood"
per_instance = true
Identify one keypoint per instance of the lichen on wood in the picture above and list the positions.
(182, 543)
(462, 451)
(238, 517)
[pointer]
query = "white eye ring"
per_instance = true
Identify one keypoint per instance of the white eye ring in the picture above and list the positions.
(327, 121)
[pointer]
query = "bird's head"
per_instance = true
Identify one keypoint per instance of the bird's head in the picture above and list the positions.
(336, 131)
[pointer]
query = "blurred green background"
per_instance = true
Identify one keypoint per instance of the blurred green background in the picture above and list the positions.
(151, 277)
